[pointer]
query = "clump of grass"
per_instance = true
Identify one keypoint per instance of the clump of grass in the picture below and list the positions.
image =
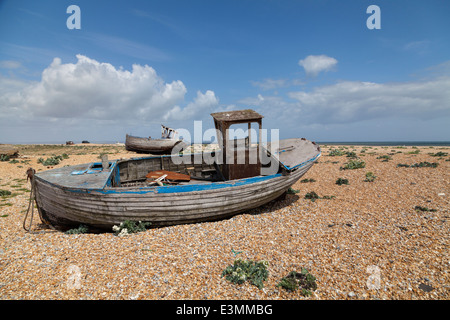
(417, 151)
(419, 165)
(247, 270)
(303, 280)
(370, 177)
(4, 193)
(439, 154)
(351, 154)
(307, 180)
(400, 165)
(419, 208)
(425, 164)
(341, 181)
(292, 191)
(4, 157)
(128, 226)
(354, 164)
(81, 229)
(314, 196)
(385, 158)
(54, 160)
(336, 152)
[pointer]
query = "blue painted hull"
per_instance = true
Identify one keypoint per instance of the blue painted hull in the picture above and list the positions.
(65, 202)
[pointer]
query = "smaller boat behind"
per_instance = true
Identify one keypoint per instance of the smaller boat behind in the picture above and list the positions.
(169, 139)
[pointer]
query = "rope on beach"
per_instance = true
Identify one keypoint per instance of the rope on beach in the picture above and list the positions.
(30, 175)
(33, 195)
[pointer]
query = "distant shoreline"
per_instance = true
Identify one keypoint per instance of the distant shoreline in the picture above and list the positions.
(386, 143)
(334, 143)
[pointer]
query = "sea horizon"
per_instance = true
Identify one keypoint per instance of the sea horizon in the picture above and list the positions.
(350, 143)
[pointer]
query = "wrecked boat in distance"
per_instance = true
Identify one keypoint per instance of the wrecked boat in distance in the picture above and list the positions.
(164, 145)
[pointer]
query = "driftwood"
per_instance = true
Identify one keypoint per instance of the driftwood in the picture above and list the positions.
(9, 150)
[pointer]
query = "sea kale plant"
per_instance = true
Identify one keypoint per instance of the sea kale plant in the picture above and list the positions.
(313, 196)
(370, 177)
(303, 280)
(336, 152)
(128, 226)
(341, 181)
(53, 161)
(354, 164)
(247, 270)
(80, 230)
(424, 164)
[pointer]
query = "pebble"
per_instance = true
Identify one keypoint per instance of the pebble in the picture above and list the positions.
(366, 243)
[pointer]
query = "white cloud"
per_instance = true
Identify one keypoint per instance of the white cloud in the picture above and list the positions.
(202, 104)
(268, 84)
(349, 102)
(352, 101)
(420, 47)
(95, 90)
(315, 64)
(10, 64)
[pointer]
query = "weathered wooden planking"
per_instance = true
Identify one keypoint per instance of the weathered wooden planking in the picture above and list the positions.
(65, 205)
(173, 216)
(182, 208)
(169, 175)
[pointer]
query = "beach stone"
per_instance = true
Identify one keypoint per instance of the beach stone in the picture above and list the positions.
(425, 287)
(185, 262)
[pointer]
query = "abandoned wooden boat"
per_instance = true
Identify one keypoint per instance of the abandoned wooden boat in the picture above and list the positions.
(194, 187)
(155, 146)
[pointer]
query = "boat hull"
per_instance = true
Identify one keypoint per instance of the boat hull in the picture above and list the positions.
(65, 208)
(148, 145)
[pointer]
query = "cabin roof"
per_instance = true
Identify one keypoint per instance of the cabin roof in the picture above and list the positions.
(237, 116)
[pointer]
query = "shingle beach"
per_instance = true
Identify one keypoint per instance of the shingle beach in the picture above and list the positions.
(385, 239)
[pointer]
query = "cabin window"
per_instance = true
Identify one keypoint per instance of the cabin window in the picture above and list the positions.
(243, 135)
(96, 166)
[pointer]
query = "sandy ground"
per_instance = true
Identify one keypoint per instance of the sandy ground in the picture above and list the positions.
(366, 242)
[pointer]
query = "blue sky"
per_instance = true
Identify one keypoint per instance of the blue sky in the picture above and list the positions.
(312, 68)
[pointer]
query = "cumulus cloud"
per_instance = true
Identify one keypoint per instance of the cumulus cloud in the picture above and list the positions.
(90, 89)
(203, 103)
(354, 101)
(313, 65)
(351, 101)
